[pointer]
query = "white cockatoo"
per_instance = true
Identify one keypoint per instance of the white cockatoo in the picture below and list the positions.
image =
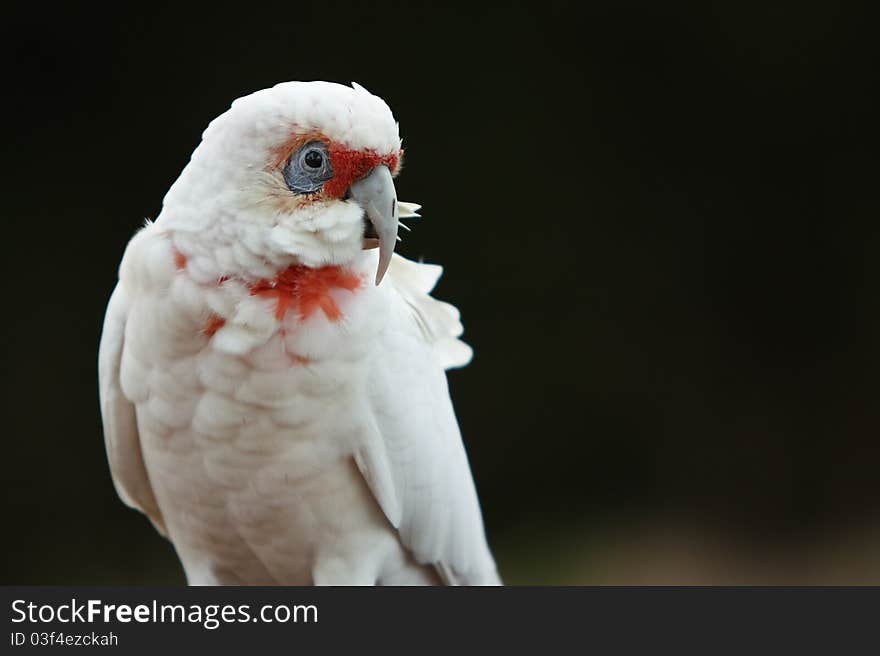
(272, 374)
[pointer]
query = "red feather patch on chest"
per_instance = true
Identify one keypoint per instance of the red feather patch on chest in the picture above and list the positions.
(214, 324)
(179, 260)
(307, 290)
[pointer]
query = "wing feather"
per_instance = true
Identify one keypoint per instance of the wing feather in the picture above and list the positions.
(433, 501)
(121, 437)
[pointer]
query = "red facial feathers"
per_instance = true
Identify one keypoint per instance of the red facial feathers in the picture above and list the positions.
(349, 165)
(306, 289)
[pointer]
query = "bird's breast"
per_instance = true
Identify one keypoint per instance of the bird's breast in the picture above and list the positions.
(288, 347)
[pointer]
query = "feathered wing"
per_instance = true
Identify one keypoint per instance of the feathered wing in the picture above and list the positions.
(121, 437)
(416, 466)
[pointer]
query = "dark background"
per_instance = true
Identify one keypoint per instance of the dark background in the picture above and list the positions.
(659, 224)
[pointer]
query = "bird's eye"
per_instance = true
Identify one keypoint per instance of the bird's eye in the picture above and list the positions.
(313, 159)
(308, 169)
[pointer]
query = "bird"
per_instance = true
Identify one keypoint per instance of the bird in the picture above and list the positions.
(272, 375)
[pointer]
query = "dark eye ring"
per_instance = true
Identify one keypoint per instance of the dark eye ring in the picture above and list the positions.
(308, 169)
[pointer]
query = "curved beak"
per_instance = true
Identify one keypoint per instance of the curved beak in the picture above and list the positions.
(376, 195)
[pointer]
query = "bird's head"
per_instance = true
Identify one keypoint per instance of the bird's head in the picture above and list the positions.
(301, 172)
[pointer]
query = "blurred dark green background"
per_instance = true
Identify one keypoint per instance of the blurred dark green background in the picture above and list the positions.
(660, 223)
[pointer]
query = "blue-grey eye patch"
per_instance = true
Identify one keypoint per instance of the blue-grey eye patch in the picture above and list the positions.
(308, 168)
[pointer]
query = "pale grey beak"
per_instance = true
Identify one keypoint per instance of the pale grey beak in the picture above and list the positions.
(376, 194)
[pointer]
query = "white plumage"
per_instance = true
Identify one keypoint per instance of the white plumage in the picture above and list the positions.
(273, 412)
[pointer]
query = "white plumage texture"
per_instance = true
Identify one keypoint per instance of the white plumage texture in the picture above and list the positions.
(273, 412)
